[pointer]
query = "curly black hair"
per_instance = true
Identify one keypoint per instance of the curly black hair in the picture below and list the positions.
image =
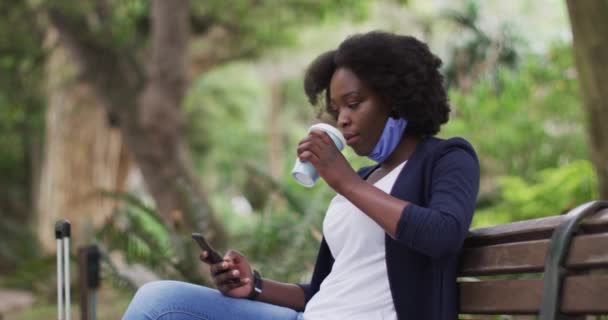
(400, 69)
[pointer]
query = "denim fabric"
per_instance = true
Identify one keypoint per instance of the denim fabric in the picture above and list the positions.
(173, 300)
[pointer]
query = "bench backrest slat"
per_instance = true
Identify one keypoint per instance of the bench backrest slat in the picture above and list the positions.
(586, 251)
(581, 295)
(528, 230)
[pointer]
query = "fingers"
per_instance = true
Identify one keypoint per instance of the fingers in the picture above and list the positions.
(238, 262)
(227, 286)
(307, 144)
(224, 273)
(311, 147)
(220, 267)
(309, 157)
(322, 136)
(319, 137)
(232, 272)
(233, 255)
(228, 277)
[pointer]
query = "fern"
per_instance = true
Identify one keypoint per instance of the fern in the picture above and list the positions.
(137, 231)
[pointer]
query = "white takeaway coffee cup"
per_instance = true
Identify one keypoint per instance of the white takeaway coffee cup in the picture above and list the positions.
(303, 171)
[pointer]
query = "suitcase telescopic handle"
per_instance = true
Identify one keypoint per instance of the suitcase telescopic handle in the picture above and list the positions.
(62, 234)
(62, 229)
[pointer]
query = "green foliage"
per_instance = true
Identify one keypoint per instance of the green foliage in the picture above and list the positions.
(479, 54)
(30, 273)
(16, 245)
(270, 23)
(137, 231)
(534, 122)
(551, 191)
(530, 139)
(21, 124)
(249, 26)
(128, 21)
(225, 110)
(21, 112)
(112, 24)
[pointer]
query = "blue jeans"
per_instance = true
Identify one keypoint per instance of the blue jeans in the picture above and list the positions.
(173, 300)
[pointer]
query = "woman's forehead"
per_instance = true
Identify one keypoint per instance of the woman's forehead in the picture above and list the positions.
(345, 83)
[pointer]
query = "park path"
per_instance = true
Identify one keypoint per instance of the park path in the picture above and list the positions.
(13, 300)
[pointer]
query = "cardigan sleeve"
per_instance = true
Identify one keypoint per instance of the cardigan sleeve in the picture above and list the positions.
(323, 267)
(439, 228)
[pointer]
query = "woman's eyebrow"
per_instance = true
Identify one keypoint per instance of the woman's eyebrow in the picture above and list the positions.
(346, 95)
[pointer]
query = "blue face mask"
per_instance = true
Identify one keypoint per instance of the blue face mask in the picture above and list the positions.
(393, 131)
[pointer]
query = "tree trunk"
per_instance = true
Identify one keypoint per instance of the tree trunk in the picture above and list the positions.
(82, 156)
(590, 43)
(157, 137)
(147, 108)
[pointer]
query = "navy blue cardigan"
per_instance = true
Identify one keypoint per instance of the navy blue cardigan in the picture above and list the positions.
(441, 181)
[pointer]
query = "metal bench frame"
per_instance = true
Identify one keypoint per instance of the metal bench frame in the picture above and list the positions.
(555, 270)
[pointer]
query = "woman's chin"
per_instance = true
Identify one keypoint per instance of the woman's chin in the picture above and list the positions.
(359, 152)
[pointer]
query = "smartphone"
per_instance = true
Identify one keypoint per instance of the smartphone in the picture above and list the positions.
(214, 257)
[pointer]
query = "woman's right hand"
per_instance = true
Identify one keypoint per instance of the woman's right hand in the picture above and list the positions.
(232, 276)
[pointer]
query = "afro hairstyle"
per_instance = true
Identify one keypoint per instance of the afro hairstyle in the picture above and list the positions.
(400, 69)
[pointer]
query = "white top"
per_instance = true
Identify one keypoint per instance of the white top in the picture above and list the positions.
(357, 287)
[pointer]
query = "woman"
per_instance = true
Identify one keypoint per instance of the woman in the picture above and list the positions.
(393, 232)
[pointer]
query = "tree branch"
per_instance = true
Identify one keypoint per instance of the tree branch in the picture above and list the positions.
(95, 59)
(225, 47)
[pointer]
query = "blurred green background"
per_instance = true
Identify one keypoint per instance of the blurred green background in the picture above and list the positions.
(141, 125)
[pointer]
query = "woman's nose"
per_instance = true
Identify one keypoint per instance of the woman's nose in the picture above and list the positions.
(344, 119)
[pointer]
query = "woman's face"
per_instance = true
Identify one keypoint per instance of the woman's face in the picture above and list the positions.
(360, 113)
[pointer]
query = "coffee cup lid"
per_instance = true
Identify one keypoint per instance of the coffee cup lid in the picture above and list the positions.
(329, 129)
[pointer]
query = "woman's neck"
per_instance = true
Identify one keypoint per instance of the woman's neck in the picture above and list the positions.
(402, 152)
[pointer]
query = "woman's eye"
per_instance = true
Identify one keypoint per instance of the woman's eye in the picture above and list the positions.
(353, 105)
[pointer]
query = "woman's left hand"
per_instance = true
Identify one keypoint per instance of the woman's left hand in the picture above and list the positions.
(319, 149)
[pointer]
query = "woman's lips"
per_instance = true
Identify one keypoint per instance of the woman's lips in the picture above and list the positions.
(351, 138)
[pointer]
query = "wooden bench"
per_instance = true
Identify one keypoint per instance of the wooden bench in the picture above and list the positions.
(555, 267)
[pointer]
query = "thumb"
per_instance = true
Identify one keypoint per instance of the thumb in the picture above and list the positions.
(234, 255)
